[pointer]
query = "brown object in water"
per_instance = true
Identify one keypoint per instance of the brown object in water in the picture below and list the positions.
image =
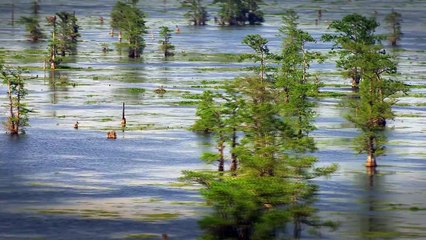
(164, 236)
(112, 135)
(123, 117)
(76, 125)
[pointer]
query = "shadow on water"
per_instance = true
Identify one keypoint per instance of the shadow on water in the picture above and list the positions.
(373, 220)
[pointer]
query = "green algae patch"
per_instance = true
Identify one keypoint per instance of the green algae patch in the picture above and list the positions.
(85, 213)
(142, 236)
(154, 217)
(207, 57)
(136, 90)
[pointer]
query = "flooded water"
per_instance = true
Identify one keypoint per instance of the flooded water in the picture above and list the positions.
(61, 183)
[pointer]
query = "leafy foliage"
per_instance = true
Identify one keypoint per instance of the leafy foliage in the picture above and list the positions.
(269, 188)
(166, 46)
(18, 112)
(126, 17)
(352, 34)
(239, 12)
(377, 95)
(32, 25)
(197, 13)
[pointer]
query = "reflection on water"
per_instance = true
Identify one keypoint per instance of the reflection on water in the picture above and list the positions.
(51, 178)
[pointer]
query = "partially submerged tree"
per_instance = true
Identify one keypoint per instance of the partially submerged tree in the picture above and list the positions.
(129, 20)
(17, 110)
(270, 189)
(196, 13)
(165, 45)
(294, 81)
(394, 19)
(64, 36)
(239, 12)
(67, 32)
(374, 106)
(32, 25)
(352, 33)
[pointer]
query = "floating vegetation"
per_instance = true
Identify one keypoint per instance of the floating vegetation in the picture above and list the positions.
(192, 96)
(136, 90)
(212, 57)
(185, 103)
(153, 217)
(142, 236)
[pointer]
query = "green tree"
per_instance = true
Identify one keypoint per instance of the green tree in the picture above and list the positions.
(261, 53)
(220, 118)
(64, 36)
(239, 12)
(32, 26)
(293, 80)
(394, 19)
(271, 189)
(129, 20)
(206, 113)
(352, 33)
(196, 13)
(165, 45)
(54, 43)
(374, 106)
(67, 33)
(18, 112)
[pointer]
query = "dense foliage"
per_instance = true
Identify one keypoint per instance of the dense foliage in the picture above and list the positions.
(239, 12)
(18, 112)
(267, 192)
(197, 13)
(130, 20)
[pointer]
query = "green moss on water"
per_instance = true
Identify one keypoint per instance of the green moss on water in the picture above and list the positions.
(409, 115)
(136, 90)
(332, 94)
(153, 217)
(207, 57)
(86, 213)
(185, 103)
(192, 96)
(106, 119)
(381, 235)
(142, 236)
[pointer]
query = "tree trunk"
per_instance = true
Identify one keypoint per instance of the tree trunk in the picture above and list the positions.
(12, 124)
(355, 78)
(234, 164)
(221, 147)
(123, 117)
(371, 159)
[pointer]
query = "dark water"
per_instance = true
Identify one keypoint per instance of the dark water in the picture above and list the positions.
(61, 183)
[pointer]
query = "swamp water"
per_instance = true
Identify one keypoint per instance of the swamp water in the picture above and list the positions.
(61, 183)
